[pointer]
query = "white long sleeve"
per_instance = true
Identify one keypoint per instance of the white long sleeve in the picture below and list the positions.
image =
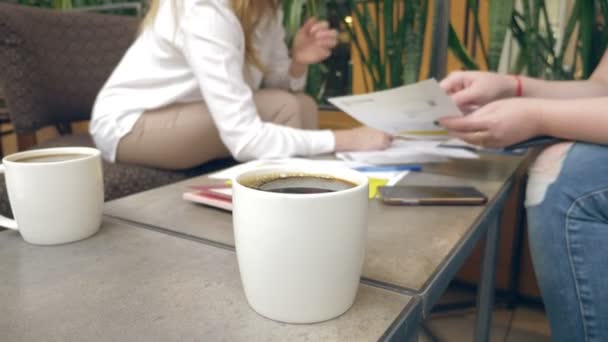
(200, 57)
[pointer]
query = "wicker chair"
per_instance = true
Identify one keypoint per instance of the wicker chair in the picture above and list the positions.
(53, 64)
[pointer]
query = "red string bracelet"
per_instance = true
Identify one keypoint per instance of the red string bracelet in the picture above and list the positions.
(519, 89)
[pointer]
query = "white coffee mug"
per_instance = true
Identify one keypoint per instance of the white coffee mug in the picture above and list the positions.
(56, 194)
(300, 256)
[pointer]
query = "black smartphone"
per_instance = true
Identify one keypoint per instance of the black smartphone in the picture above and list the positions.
(431, 195)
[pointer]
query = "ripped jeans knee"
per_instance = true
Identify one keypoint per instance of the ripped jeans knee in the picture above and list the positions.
(544, 171)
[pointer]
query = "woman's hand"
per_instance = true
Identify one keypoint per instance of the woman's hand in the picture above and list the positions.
(473, 89)
(498, 124)
(362, 139)
(313, 42)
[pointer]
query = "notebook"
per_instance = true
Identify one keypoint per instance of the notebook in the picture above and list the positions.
(216, 196)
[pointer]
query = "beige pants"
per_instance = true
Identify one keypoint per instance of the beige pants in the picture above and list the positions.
(181, 136)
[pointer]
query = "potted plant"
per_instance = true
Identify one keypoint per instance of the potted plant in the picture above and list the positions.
(573, 52)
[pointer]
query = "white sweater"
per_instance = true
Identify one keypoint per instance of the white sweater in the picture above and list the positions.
(200, 57)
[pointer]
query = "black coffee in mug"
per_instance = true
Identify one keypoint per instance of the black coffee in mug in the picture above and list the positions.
(298, 183)
(51, 158)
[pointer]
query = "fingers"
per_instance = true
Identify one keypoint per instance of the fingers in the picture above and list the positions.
(465, 97)
(362, 138)
(470, 108)
(387, 142)
(309, 24)
(384, 141)
(318, 26)
(326, 34)
(454, 82)
(327, 44)
(324, 54)
(327, 38)
(476, 128)
(479, 138)
(367, 138)
(380, 140)
(458, 85)
(466, 124)
(323, 35)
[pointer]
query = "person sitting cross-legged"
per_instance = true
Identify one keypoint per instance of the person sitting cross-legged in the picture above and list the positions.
(209, 79)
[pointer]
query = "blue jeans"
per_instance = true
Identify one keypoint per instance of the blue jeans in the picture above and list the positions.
(568, 233)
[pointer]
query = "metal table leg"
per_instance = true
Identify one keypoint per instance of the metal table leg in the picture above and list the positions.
(485, 296)
(513, 295)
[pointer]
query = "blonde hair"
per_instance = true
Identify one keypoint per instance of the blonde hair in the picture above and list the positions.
(248, 12)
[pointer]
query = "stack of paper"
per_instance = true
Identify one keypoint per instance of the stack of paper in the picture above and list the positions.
(409, 152)
(378, 176)
(234, 171)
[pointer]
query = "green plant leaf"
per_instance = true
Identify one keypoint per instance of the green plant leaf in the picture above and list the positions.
(500, 15)
(62, 4)
(520, 62)
(477, 25)
(458, 49)
(320, 10)
(315, 85)
(389, 44)
(292, 18)
(547, 26)
(374, 62)
(359, 50)
(586, 24)
(372, 29)
(414, 42)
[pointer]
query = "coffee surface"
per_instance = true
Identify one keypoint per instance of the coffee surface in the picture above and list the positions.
(50, 158)
(298, 183)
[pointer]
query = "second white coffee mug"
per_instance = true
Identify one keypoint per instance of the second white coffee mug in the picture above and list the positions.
(300, 255)
(56, 194)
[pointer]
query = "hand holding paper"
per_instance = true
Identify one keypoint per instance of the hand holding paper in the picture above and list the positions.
(407, 111)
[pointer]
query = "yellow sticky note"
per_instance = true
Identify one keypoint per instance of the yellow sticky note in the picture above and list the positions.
(374, 184)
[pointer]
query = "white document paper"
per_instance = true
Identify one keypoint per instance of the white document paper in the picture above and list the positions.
(459, 143)
(408, 152)
(232, 172)
(407, 111)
